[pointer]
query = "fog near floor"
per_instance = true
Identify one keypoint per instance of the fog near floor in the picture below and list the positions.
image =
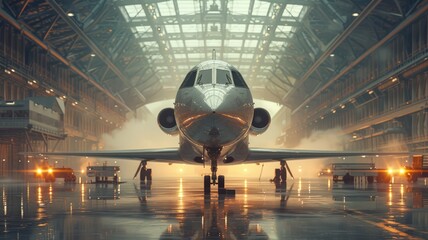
(143, 132)
(331, 139)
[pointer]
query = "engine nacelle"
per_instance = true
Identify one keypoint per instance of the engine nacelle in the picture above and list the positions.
(261, 121)
(166, 121)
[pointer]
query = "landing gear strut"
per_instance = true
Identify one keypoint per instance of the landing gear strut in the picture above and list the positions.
(145, 174)
(213, 154)
(280, 178)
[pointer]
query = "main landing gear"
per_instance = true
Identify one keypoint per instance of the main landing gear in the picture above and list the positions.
(280, 178)
(145, 174)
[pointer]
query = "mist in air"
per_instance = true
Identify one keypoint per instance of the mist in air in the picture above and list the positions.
(143, 132)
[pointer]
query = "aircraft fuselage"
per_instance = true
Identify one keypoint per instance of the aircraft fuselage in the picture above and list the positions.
(214, 111)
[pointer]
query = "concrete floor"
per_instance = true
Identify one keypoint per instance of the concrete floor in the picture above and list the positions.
(177, 209)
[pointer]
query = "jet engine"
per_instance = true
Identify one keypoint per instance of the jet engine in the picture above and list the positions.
(166, 121)
(261, 121)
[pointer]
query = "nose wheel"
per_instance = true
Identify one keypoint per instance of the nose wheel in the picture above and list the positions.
(220, 184)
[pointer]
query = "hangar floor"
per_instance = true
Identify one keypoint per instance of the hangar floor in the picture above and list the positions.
(177, 209)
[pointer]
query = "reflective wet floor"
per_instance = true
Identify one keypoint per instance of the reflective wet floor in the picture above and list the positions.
(177, 209)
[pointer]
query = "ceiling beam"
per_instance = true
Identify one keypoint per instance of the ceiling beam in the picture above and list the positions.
(24, 30)
(335, 43)
(391, 34)
(100, 54)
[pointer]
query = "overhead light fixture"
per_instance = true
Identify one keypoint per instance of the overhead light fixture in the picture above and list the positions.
(394, 79)
(332, 55)
(371, 92)
(70, 14)
(92, 54)
(355, 14)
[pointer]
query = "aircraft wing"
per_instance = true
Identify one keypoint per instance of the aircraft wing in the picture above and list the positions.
(257, 155)
(167, 155)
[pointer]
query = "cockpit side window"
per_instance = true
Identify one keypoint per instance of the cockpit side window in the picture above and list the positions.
(189, 80)
(205, 77)
(223, 77)
(238, 79)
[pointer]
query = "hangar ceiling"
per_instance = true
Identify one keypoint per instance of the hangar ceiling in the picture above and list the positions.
(140, 50)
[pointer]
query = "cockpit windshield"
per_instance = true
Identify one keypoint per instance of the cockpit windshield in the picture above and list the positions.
(205, 77)
(223, 77)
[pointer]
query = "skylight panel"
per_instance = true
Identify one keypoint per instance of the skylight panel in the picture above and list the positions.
(255, 28)
(276, 44)
(292, 10)
(251, 43)
(198, 56)
(147, 45)
(283, 31)
(156, 57)
(143, 29)
(135, 11)
(234, 43)
(160, 68)
(150, 44)
(183, 67)
(239, 7)
(244, 68)
(214, 43)
(166, 8)
(172, 28)
(180, 56)
(194, 43)
(176, 43)
(237, 27)
(247, 56)
(192, 27)
(261, 8)
(229, 56)
(188, 7)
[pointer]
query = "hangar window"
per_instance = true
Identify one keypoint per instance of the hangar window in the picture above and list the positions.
(223, 77)
(189, 80)
(205, 77)
(238, 79)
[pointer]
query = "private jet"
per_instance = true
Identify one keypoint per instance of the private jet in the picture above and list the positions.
(213, 116)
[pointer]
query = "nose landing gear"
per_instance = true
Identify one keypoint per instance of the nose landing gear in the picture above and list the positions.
(213, 155)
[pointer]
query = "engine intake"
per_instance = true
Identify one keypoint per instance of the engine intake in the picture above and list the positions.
(166, 121)
(261, 121)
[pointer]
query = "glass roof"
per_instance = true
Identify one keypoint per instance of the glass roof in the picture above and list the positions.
(176, 35)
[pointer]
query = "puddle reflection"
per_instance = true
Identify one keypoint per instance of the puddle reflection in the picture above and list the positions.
(177, 209)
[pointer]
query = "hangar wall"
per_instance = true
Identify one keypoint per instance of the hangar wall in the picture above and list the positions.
(28, 70)
(382, 102)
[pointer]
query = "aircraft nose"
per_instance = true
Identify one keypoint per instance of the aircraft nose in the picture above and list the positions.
(214, 98)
